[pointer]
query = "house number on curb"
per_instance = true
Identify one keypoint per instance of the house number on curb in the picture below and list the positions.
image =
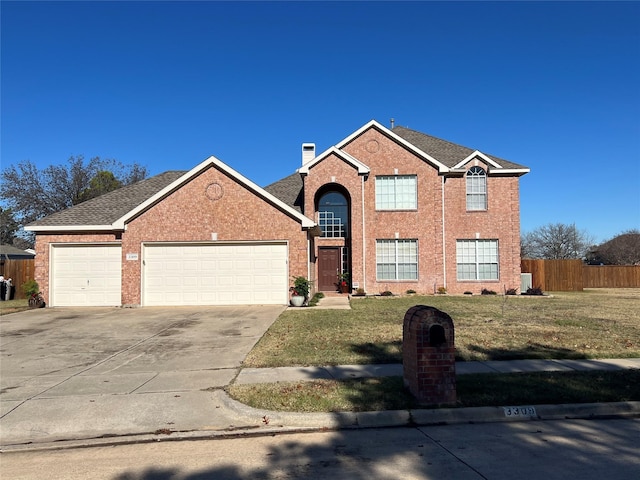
(214, 191)
(519, 411)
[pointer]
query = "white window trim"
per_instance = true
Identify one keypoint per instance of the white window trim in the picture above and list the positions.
(395, 178)
(476, 243)
(395, 242)
(474, 177)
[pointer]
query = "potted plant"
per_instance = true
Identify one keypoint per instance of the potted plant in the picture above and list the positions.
(343, 282)
(300, 291)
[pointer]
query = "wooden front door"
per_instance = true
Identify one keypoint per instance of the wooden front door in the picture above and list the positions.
(328, 268)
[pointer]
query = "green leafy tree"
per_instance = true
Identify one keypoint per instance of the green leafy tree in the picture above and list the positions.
(104, 181)
(556, 241)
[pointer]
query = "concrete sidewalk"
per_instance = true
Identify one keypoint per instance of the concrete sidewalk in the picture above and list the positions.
(81, 420)
(343, 372)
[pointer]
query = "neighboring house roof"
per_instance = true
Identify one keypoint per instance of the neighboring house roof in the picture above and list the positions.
(12, 253)
(113, 210)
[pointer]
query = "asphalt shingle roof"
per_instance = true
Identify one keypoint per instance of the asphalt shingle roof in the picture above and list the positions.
(289, 190)
(8, 251)
(107, 208)
(444, 151)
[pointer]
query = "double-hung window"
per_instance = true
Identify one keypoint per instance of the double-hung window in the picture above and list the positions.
(477, 259)
(396, 192)
(476, 189)
(397, 259)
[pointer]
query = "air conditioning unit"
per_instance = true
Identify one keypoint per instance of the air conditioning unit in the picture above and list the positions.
(526, 282)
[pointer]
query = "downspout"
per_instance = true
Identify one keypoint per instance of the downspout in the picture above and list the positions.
(309, 256)
(364, 243)
(444, 239)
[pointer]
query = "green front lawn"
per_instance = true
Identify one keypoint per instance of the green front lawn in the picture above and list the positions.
(596, 323)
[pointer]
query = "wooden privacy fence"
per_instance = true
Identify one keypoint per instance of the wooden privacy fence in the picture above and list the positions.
(19, 271)
(573, 275)
(611, 276)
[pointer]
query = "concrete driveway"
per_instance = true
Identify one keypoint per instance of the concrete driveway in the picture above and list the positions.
(92, 370)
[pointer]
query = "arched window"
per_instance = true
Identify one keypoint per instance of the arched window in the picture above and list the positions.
(333, 215)
(476, 189)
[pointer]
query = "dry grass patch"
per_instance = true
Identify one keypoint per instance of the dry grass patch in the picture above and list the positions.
(596, 323)
(13, 306)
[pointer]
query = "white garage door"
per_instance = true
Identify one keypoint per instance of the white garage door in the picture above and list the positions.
(220, 274)
(86, 275)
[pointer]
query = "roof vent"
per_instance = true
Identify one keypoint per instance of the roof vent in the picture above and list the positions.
(308, 152)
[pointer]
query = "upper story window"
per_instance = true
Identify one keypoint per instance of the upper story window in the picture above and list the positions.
(333, 215)
(396, 192)
(476, 189)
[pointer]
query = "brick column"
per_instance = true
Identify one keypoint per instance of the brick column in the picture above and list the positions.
(428, 355)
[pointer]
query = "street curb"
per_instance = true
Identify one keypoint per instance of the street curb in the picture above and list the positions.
(438, 416)
(268, 423)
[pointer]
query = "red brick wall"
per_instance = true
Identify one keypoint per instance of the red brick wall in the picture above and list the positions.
(500, 221)
(43, 250)
(189, 214)
(383, 156)
(186, 215)
(336, 173)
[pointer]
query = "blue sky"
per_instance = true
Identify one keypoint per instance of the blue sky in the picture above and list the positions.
(550, 85)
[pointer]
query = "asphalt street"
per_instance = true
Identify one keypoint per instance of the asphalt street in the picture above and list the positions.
(550, 450)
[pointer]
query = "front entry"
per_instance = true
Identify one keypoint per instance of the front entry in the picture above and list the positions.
(328, 268)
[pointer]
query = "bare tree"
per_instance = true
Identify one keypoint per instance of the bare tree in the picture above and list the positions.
(623, 249)
(9, 226)
(556, 241)
(32, 193)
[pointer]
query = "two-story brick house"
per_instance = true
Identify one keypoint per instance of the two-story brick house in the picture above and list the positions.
(395, 209)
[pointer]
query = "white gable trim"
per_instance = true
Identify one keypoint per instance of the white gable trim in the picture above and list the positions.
(354, 162)
(481, 156)
(442, 168)
(70, 228)
(212, 162)
(495, 168)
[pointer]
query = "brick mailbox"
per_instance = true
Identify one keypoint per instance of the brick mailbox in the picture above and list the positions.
(428, 355)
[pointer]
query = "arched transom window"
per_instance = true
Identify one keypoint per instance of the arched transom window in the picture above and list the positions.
(333, 215)
(476, 189)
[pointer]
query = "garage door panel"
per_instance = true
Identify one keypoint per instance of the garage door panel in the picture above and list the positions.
(220, 274)
(86, 275)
